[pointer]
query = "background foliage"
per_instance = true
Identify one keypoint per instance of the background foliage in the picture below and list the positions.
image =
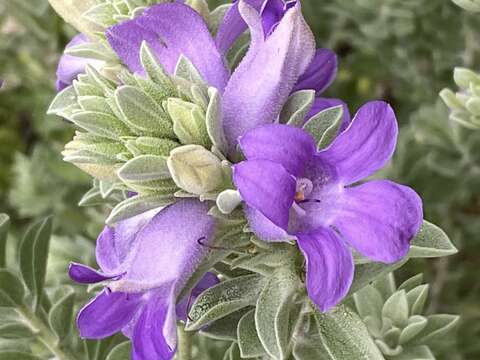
(403, 51)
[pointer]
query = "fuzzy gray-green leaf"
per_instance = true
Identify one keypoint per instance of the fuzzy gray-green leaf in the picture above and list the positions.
(431, 241)
(247, 337)
(144, 169)
(366, 273)
(153, 67)
(137, 205)
(15, 330)
(415, 325)
(195, 169)
(11, 289)
(101, 124)
(34, 256)
(440, 327)
(214, 120)
(297, 107)
(120, 352)
(272, 313)
(324, 126)
(60, 317)
(142, 113)
(226, 327)
(188, 122)
(396, 308)
(224, 299)
(345, 337)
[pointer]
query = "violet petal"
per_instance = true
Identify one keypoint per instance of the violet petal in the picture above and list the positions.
(267, 187)
(107, 314)
(320, 73)
(366, 145)
(263, 81)
(286, 145)
(171, 30)
(329, 266)
(379, 219)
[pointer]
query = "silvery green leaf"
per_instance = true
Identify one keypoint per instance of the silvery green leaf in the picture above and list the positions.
(470, 5)
(64, 103)
(345, 337)
(309, 347)
(188, 122)
(297, 107)
(71, 11)
(450, 99)
(92, 50)
(388, 350)
(154, 146)
(415, 325)
(233, 353)
(463, 77)
(431, 241)
(101, 124)
(226, 327)
(17, 355)
(11, 289)
(200, 6)
(153, 67)
(95, 103)
(34, 255)
(4, 226)
(214, 120)
(98, 79)
(216, 17)
(224, 299)
(228, 200)
(411, 283)
(248, 342)
(15, 330)
(142, 113)
(186, 70)
(369, 303)
(60, 316)
(200, 96)
(386, 285)
(137, 205)
(324, 126)
(120, 352)
(102, 15)
(195, 169)
(415, 353)
(144, 170)
(439, 328)
(396, 308)
(417, 298)
(272, 314)
(366, 273)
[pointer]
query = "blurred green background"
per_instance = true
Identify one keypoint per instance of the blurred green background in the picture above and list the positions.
(402, 51)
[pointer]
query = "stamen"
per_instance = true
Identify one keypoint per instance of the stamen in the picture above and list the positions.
(309, 201)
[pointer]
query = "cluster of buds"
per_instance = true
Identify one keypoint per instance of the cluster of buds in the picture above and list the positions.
(465, 103)
(394, 318)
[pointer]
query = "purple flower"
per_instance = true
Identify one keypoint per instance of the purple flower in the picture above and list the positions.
(69, 67)
(146, 262)
(281, 58)
(291, 190)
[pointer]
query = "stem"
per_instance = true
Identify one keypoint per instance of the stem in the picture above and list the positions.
(44, 334)
(184, 350)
